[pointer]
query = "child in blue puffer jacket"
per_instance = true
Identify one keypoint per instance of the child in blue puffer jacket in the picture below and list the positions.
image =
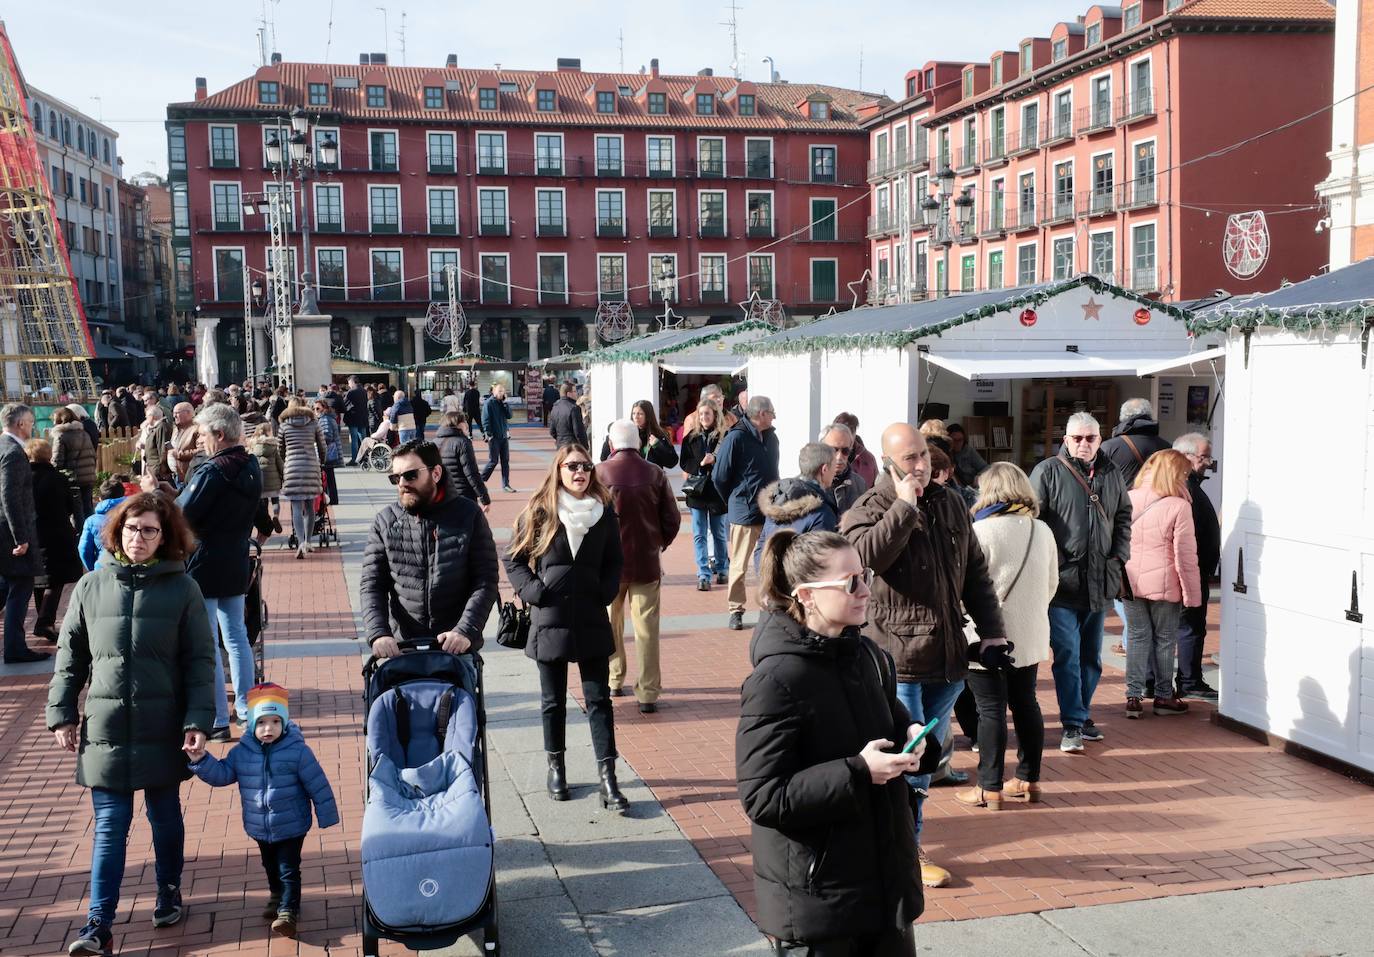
(278, 778)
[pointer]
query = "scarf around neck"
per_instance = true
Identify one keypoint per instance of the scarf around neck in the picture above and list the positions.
(1001, 508)
(578, 515)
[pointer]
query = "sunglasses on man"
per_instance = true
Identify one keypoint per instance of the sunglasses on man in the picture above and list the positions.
(409, 475)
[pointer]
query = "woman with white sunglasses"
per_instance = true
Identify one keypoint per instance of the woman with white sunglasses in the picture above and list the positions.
(820, 758)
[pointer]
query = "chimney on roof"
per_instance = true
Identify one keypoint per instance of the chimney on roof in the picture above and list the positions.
(276, 59)
(706, 72)
(201, 91)
(364, 59)
(452, 61)
(653, 67)
(1082, 19)
(569, 63)
(378, 59)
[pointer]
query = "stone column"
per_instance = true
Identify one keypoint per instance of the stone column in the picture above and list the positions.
(475, 336)
(262, 346)
(532, 330)
(417, 329)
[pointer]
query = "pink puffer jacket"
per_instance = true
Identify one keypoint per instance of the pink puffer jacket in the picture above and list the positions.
(1163, 563)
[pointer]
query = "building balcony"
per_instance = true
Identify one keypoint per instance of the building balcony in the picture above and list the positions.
(994, 224)
(1142, 280)
(548, 167)
(1024, 142)
(386, 292)
(609, 167)
(965, 233)
(824, 295)
(1094, 119)
(712, 295)
(760, 229)
(1098, 202)
(551, 229)
(495, 293)
(995, 152)
(612, 228)
(758, 168)
(1136, 105)
(1058, 210)
(224, 161)
(1060, 131)
(446, 165)
(663, 229)
(1022, 219)
(966, 159)
(491, 228)
(329, 224)
(880, 224)
(1137, 193)
(443, 228)
(941, 233)
(553, 297)
(881, 167)
(384, 226)
(711, 230)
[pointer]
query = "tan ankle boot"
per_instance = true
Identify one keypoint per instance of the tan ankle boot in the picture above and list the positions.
(1018, 790)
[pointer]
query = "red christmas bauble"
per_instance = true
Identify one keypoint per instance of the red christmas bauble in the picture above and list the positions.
(1142, 316)
(1028, 317)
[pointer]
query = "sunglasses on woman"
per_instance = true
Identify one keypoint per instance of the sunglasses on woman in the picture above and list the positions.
(578, 466)
(849, 584)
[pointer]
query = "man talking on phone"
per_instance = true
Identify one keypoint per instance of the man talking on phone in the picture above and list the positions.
(429, 567)
(917, 537)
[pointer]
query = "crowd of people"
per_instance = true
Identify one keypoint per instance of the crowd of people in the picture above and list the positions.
(895, 591)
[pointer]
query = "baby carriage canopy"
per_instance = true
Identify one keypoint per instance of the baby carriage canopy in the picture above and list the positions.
(427, 845)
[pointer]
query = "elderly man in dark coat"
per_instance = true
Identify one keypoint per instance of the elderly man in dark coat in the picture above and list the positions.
(20, 558)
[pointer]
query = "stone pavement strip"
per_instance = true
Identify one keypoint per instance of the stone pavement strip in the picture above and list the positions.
(1159, 813)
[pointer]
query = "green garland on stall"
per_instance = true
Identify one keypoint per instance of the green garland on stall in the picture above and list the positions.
(417, 366)
(1299, 319)
(899, 338)
(625, 353)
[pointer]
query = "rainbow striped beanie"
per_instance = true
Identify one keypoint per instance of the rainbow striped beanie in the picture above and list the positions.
(266, 699)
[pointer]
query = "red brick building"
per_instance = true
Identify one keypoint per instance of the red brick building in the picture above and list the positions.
(1083, 151)
(550, 191)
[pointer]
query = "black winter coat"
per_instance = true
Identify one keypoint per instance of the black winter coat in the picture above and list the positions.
(428, 573)
(1093, 550)
(1206, 528)
(355, 408)
(695, 447)
(1144, 432)
(55, 509)
(460, 464)
(566, 425)
(834, 854)
(472, 407)
(220, 501)
(569, 595)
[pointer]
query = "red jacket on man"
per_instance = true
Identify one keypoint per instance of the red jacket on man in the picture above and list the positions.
(648, 512)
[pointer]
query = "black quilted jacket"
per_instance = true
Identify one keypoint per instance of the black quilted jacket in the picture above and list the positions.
(429, 573)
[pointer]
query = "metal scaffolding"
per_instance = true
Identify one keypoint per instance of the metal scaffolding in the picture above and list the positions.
(44, 342)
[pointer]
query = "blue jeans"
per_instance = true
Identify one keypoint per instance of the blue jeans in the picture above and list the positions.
(114, 813)
(498, 449)
(705, 524)
(355, 439)
(925, 700)
(1076, 644)
(229, 613)
(15, 594)
(406, 435)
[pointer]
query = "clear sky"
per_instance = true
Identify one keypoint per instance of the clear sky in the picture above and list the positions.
(138, 57)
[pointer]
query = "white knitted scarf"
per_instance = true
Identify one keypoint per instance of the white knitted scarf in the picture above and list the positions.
(578, 515)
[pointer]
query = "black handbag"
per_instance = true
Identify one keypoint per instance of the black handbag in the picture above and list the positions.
(695, 485)
(513, 625)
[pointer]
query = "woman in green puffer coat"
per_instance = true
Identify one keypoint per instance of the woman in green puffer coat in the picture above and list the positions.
(137, 631)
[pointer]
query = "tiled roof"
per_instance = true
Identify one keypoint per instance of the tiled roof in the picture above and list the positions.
(1256, 10)
(776, 102)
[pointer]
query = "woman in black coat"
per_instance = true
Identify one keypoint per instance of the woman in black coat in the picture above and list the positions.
(565, 560)
(835, 864)
(460, 461)
(655, 444)
(55, 509)
(708, 508)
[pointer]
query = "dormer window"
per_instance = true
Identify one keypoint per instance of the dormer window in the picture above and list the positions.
(486, 98)
(269, 91)
(605, 101)
(1060, 50)
(910, 86)
(706, 104)
(658, 103)
(625, 91)
(1130, 17)
(997, 71)
(508, 87)
(546, 101)
(434, 97)
(968, 83)
(318, 94)
(930, 79)
(746, 104)
(1027, 57)
(1094, 35)
(376, 96)
(818, 109)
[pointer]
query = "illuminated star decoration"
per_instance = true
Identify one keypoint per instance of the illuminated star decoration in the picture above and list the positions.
(669, 319)
(857, 289)
(1092, 309)
(748, 306)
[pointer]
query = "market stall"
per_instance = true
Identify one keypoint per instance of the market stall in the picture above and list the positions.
(664, 366)
(1297, 657)
(1009, 365)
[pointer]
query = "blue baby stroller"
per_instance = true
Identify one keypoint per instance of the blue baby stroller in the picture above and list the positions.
(429, 874)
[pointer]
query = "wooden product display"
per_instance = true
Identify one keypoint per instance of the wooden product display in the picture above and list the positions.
(1046, 405)
(991, 436)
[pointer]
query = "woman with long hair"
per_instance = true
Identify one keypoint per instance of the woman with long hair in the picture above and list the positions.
(565, 560)
(303, 451)
(708, 509)
(152, 696)
(819, 762)
(1163, 576)
(655, 444)
(1023, 563)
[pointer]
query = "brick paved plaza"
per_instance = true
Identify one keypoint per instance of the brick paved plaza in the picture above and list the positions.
(1161, 808)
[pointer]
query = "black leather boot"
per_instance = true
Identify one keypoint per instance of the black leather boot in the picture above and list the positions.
(558, 776)
(611, 798)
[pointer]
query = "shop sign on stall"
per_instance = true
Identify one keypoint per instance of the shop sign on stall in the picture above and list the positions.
(534, 395)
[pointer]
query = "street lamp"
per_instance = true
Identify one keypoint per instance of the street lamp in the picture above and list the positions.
(963, 207)
(930, 210)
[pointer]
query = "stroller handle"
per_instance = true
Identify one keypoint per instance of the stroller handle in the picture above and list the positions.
(408, 645)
